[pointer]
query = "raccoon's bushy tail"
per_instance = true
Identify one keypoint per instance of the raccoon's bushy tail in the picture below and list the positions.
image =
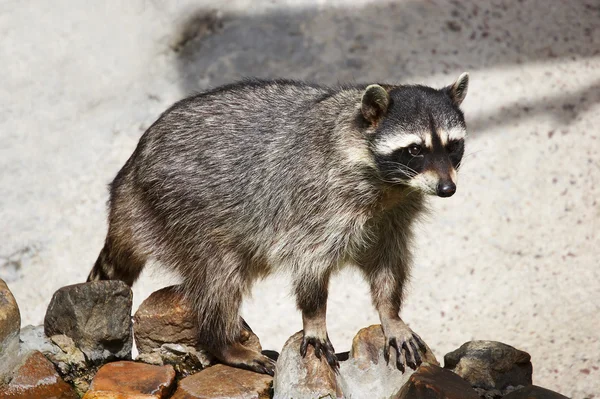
(115, 264)
(102, 269)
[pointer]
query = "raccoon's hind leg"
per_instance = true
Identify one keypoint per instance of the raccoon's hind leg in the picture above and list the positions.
(311, 298)
(117, 261)
(221, 330)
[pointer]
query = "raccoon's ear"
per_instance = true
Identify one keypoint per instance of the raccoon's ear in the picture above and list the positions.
(375, 102)
(458, 90)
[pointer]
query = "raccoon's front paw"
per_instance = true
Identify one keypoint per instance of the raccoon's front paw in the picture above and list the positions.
(406, 344)
(322, 347)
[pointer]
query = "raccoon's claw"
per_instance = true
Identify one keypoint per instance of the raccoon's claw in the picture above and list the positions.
(237, 355)
(321, 347)
(262, 365)
(406, 349)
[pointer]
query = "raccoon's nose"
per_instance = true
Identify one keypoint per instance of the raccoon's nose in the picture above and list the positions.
(446, 189)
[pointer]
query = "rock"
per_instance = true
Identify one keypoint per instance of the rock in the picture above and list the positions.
(10, 323)
(165, 317)
(165, 327)
(303, 377)
(185, 359)
(68, 360)
(33, 339)
(132, 380)
(37, 378)
(433, 382)
(71, 363)
(224, 382)
(96, 315)
(534, 392)
(367, 374)
(490, 365)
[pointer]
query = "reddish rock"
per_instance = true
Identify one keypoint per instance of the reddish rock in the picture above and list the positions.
(37, 378)
(224, 382)
(534, 392)
(303, 377)
(367, 374)
(126, 379)
(166, 317)
(434, 382)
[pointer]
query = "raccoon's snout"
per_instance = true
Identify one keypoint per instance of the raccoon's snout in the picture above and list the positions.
(446, 189)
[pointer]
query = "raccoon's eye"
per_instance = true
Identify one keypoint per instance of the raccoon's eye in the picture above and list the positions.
(414, 150)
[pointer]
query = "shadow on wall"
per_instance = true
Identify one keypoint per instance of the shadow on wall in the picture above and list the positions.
(394, 42)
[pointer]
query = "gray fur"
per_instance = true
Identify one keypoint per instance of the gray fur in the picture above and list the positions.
(236, 183)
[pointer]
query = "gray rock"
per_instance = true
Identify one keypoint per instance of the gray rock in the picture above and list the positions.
(97, 316)
(303, 377)
(366, 374)
(33, 339)
(490, 365)
(10, 323)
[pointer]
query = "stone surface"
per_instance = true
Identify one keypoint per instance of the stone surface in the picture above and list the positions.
(32, 338)
(367, 374)
(185, 359)
(434, 382)
(224, 382)
(126, 379)
(303, 377)
(10, 323)
(37, 378)
(165, 317)
(490, 365)
(68, 360)
(96, 315)
(534, 392)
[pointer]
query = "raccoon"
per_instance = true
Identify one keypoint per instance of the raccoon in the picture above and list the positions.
(257, 177)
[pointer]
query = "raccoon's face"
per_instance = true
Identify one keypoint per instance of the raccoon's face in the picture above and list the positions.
(419, 134)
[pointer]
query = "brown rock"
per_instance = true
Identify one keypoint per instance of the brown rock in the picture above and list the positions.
(165, 317)
(224, 382)
(36, 378)
(490, 365)
(367, 374)
(10, 323)
(534, 392)
(303, 377)
(434, 382)
(126, 379)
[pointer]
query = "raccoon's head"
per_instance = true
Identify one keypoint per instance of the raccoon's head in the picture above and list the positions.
(419, 134)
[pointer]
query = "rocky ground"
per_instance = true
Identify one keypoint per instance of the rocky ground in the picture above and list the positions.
(511, 257)
(84, 350)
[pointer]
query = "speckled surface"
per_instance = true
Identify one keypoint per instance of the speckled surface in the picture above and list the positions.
(513, 256)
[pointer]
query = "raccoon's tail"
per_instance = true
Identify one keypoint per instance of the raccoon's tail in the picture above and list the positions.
(102, 268)
(115, 264)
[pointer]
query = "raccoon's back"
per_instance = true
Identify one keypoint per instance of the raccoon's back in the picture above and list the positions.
(237, 156)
